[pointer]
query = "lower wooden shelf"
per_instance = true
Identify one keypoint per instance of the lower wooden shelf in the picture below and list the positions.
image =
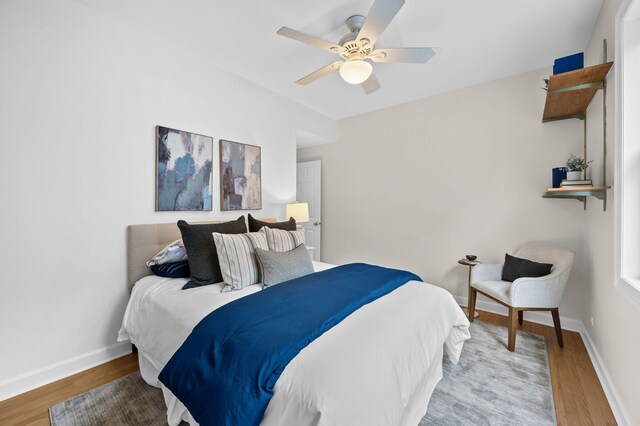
(580, 194)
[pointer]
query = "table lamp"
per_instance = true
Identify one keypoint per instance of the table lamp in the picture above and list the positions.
(298, 211)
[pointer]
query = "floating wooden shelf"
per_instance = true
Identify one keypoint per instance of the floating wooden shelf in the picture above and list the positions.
(569, 94)
(580, 194)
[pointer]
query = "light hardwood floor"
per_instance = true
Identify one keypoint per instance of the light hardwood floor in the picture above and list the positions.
(577, 393)
(32, 408)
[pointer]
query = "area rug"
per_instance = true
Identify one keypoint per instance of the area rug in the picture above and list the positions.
(492, 386)
(489, 386)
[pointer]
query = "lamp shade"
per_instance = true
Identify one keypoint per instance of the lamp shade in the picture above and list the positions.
(298, 211)
(355, 71)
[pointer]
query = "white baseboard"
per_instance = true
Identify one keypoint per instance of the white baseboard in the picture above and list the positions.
(619, 412)
(570, 324)
(51, 373)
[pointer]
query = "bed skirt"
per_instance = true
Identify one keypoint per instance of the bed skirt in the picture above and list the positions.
(177, 412)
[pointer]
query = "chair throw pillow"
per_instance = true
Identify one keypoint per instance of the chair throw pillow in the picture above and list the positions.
(201, 250)
(515, 267)
(238, 259)
(255, 225)
(277, 267)
(280, 240)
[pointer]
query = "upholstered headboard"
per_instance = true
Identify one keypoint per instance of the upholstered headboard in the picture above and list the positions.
(144, 241)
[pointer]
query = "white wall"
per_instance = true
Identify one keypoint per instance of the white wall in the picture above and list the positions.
(615, 332)
(421, 184)
(80, 96)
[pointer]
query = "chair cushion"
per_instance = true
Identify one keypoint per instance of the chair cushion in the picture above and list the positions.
(501, 290)
(515, 267)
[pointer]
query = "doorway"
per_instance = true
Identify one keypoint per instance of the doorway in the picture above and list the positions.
(308, 190)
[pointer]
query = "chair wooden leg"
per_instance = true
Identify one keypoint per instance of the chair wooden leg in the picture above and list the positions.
(556, 323)
(520, 317)
(472, 304)
(513, 327)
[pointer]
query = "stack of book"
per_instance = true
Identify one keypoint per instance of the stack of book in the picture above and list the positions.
(576, 184)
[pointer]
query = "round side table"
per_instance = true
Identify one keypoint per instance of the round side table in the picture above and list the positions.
(470, 264)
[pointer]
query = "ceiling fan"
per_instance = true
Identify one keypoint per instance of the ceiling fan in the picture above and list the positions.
(358, 47)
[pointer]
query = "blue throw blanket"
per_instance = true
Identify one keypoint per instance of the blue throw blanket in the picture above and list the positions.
(225, 371)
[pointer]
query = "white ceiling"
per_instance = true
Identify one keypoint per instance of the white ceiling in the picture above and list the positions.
(481, 40)
(634, 10)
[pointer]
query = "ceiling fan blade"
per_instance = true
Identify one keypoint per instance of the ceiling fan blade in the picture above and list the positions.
(370, 85)
(310, 40)
(414, 55)
(320, 73)
(381, 14)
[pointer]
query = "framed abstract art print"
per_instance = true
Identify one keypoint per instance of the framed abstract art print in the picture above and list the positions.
(183, 170)
(240, 176)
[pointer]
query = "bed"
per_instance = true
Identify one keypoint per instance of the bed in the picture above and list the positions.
(380, 365)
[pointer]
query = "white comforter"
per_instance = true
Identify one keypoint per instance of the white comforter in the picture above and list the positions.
(379, 366)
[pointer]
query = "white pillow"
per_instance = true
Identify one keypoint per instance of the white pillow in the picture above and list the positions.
(174, 252)
(281, 240)
(236, 253)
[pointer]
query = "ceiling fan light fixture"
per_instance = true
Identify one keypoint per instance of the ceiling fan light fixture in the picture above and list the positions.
(357, 49)
(356, 71)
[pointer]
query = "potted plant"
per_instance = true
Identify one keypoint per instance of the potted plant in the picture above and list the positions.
(575, 167)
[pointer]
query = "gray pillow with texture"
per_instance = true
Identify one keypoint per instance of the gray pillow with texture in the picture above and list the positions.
(277, 267)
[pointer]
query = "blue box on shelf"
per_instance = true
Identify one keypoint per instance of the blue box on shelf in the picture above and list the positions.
(558, 174)
(568, 63)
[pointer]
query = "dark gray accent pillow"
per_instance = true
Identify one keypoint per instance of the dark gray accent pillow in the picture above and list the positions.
(255, 225)
(201, 250)
(277, 267)
(515, 267)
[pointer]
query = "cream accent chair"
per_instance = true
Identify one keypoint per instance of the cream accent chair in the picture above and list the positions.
(525, 294)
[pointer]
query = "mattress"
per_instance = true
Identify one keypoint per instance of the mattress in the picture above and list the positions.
(378, 366)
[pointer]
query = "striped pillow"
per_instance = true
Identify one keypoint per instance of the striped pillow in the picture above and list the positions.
(280, 240)
(238, 259)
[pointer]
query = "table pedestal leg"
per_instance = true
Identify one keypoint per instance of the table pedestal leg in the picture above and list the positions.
(469, 296)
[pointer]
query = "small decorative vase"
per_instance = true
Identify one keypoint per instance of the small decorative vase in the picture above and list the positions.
(558, 174)
(574, 175)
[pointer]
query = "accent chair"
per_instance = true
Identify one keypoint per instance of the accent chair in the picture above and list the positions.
(525, 294)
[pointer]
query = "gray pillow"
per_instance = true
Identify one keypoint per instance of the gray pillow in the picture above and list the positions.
(277, 267)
